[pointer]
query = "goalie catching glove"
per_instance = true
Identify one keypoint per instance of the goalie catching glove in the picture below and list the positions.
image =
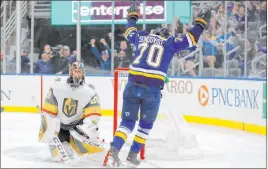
(133, 12)
(203, 18)
(86, 131)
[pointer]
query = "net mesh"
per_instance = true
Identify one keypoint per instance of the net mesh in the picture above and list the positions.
(169, 139)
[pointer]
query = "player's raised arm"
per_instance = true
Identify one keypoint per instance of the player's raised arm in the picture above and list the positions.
(131, 30)
(191, 37)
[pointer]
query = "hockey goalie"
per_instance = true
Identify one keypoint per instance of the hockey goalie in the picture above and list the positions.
(70, 117)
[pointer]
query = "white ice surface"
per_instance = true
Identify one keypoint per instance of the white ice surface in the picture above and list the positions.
(221, 147)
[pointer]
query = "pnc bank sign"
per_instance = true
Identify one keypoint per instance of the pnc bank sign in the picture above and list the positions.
(203, 95)
(228, 97)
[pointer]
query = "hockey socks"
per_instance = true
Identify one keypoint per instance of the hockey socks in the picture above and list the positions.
(121, 134)
(141, 137)
(125, 128)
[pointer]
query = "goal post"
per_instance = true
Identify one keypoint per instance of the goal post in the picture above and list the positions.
(118, 73)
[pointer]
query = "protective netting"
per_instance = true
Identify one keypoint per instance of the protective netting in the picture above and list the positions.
(170, 138)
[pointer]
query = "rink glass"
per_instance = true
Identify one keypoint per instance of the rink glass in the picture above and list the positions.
(237, 54)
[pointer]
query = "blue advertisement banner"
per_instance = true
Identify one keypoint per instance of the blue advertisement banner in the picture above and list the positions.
(100, 12)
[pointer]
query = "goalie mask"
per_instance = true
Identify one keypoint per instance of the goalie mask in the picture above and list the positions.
(163, 32)
(77, 74)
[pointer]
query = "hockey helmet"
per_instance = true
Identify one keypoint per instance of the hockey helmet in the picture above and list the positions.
(76, 73)
(163, 32)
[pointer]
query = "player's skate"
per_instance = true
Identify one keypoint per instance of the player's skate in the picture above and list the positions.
(132, 160)
(112, 158)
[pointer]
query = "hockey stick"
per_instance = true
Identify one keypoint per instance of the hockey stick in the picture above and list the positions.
(99, 143)
(57, 143)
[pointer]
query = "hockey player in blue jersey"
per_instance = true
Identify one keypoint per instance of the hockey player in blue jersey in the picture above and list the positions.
(146, 79)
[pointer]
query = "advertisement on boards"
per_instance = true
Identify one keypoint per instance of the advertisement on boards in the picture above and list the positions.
(20, 90)
(180, 86)
(244, 101)
(229, 97)
(264, 104)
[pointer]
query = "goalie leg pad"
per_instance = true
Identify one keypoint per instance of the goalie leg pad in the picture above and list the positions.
(83, 146)
(50, 126)
(54, 153)
(67, 148)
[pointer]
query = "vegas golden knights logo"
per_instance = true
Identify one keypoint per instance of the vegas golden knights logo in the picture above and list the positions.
(69, 107)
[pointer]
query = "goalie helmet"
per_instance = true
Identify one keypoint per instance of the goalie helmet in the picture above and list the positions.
(163, 32)
(76, 74)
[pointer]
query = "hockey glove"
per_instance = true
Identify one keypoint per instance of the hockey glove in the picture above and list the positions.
(166, 79)
(133, 12)
(89, 131)
(203, 18)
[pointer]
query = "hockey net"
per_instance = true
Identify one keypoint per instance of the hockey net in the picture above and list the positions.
(170, 137)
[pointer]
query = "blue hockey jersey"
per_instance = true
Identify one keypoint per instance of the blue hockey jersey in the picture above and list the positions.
(154, 53)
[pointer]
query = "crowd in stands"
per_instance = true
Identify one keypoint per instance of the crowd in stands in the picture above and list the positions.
(50, 61)
(212, 46)
(55, 60)
(212, 43)
(102, 52)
